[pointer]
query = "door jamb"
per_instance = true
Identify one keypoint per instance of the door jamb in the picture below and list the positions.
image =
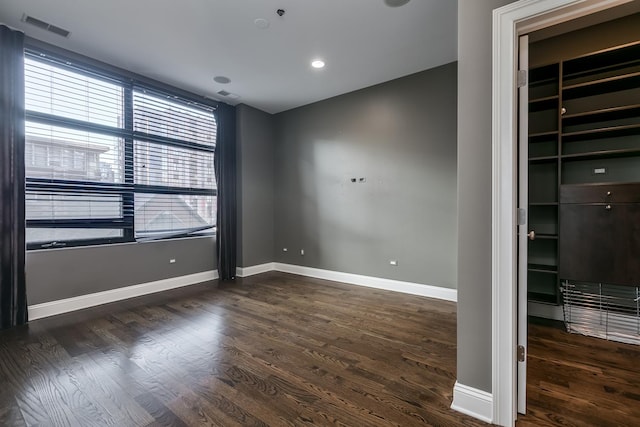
(509, 22)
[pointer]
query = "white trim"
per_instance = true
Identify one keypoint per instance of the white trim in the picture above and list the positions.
(437, 292)
(509, 22)
(372, 282)
(546, 311)
(255, 269)
(473, 402)
(38, 311)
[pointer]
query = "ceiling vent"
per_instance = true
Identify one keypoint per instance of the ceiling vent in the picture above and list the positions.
(228, 94)
(45, 26)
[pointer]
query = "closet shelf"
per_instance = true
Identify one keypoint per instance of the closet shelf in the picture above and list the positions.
(547, 236)
(602, 154)
(542, 268)
(548, 298)
(619, 54)
(538, 135)
(615, 112)
(543, 99)
(602, 81)
(608, 84)
(542, 81)
(606, 132)
(540, 159)
(543, 203)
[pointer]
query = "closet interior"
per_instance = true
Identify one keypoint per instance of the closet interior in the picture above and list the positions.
(584, 178)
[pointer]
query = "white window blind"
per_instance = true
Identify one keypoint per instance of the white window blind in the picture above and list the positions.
(109, 161)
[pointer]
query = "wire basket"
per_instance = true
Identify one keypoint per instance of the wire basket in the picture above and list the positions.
(611, 312)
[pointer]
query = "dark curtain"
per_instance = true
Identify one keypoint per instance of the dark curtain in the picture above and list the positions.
(225, 169)
(13, 293)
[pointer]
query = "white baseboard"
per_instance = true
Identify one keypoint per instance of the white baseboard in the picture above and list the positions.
(38, 311)
(255, 269)
(546, 311)
(371, 282)
(52, 308)
(473, 402)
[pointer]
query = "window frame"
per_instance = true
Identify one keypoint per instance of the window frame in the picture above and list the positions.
(127, 189)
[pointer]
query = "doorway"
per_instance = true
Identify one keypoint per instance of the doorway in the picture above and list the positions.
(583, 124)
(519, 18)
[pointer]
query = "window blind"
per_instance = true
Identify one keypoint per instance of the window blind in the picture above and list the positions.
(109, 161)
(173, 165)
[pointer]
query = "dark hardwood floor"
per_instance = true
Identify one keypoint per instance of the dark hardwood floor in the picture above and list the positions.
(274, 349)
(278, 350)
(575, 380)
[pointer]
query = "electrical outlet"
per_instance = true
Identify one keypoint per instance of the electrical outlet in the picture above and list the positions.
(599, 171)
(172, 261)
(302, 252)
(284, 249)
(393, 262)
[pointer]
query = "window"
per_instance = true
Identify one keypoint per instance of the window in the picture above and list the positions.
(108, 160)
(173, 165)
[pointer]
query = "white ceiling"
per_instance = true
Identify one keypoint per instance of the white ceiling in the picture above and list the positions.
(186, 43)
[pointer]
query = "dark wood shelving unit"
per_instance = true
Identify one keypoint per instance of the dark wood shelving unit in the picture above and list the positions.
(590, 106)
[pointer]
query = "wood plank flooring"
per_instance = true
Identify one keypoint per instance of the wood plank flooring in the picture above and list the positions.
(283, 350)
(575, 380)
(270, 350)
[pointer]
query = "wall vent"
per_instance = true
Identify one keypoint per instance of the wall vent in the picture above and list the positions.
(45, 26)
(224, 93)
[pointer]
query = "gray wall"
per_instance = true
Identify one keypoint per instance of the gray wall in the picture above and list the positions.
(401, 137)
(474, 191)
(255, 186)
(64, 273)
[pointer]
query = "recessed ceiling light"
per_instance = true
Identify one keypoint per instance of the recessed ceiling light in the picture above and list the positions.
(395, 3)
(222, 80)
(317, 63)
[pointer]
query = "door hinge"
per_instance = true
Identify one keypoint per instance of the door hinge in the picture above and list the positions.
(522, 216)
(521, 353)
(522, 78)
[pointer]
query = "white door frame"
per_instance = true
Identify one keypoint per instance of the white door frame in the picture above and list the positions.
(509, 22)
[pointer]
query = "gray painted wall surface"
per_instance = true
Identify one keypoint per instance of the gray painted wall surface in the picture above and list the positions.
(64, 273)
(401, 137)
(255, 186)
(474, 191)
